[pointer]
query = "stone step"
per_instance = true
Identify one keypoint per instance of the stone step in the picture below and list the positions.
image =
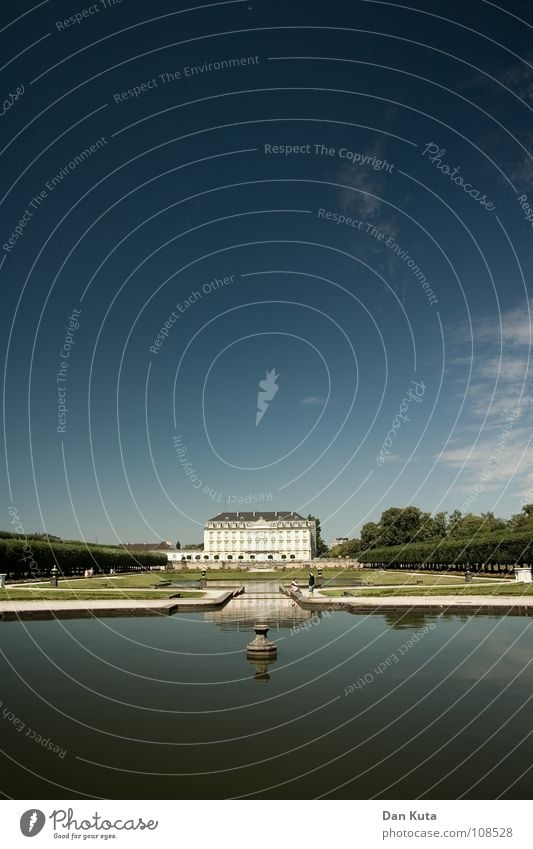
(246, 597)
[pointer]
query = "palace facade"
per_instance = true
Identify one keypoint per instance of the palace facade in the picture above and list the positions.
(259, 535)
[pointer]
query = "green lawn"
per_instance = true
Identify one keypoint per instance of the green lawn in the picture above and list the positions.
(146, 579)
(139, 580)
(142, 580)
(49, 594)
(279, 575)
(416, 579)
(510, 588)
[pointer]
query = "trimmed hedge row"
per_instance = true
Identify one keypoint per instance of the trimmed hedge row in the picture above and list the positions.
(29, 558)
(42, 537)
(488, 550)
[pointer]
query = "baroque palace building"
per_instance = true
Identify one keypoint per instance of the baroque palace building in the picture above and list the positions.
(258, 535)
(279, 535)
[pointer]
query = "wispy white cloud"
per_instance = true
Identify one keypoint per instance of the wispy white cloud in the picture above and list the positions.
(493, 446)
(313, 401)
(515, 456)
(513, 326)
(365, 203)
(519, 78)
(500, 361)
(391, 458)
(486, 470)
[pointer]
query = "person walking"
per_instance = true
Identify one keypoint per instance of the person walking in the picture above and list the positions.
(311, 583)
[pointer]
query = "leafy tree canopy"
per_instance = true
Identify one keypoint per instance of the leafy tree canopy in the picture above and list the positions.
(321, 546)
(404, 525)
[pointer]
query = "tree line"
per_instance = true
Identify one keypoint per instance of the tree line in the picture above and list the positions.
(411, 526)
(33, 556)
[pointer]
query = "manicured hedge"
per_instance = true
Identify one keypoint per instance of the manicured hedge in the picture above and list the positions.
(508, 549)
(27, 558)
(13, 535)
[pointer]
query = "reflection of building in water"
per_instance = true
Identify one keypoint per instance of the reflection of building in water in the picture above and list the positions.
(410, 619)
(243, 612)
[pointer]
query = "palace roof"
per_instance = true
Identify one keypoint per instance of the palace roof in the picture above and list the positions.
(258, 515)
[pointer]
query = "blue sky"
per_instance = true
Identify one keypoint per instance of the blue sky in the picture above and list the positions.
(341, 199)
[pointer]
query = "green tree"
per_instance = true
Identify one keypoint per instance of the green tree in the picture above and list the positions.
(467, 526)
(370, 535)
(426, 530)
(351, 548)
(522, 521)
(401, 525)
(491, 523)
(439, 525)
(321, 546)
(453, 522)
(499, 548)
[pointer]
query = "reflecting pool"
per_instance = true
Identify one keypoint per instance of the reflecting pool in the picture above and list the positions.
(400, 705)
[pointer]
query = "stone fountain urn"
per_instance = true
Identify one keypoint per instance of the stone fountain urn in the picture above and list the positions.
(261, 646)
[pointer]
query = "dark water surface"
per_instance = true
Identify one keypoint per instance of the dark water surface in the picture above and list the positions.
(169, 707)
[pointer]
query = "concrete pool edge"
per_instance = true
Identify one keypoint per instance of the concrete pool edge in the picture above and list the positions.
(56, 609)
(430, 604)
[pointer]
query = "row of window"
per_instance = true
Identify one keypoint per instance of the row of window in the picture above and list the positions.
(231, 557)
(252, 525)
(294, 535)
(263, 532)
(267, 548)
(258, 543)
(253, 543)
